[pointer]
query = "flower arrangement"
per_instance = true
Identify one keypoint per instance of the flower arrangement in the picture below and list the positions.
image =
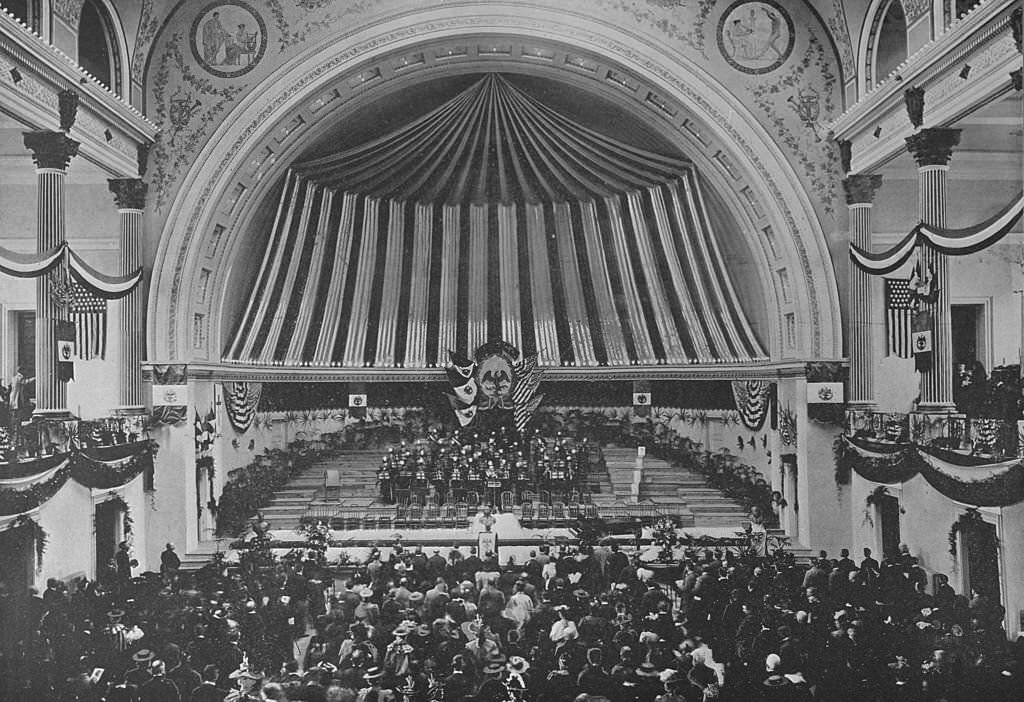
(318, 538)
(665, 536)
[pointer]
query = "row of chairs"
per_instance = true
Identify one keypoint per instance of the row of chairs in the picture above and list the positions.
(542, 514)
(506, 499)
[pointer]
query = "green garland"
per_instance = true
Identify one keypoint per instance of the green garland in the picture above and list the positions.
(126, 511)
(17, 501)
(32, 530)
(87, 471)
(970, 518)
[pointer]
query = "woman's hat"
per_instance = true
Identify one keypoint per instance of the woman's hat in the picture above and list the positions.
(647, 670)
(518, 664)
(494, 669)
(143, 656)
(366, 593)
(471, 629)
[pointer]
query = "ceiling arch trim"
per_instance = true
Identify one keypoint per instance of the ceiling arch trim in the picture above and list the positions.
(677, 81)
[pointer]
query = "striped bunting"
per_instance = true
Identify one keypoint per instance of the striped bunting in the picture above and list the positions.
(352, 281)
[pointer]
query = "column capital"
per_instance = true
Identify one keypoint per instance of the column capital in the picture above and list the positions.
(51, 149)
(129, 193)
(861, 188)
(933, 147)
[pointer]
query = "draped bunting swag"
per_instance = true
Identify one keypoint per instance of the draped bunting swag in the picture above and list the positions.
(35, 265)
(492, 217)
(241, 401)
(752, 398)
(960, 477)
(953, 242)
(97, 468)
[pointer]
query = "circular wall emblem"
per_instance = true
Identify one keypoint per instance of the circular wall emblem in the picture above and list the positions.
(755, 36)
(228, 38)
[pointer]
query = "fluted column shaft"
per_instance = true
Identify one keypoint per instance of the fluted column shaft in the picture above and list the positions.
(932, 149)
(52, 153)
(130, 196)
(860, 194)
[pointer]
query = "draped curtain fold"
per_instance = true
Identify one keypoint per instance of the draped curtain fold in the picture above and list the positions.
(492, 216)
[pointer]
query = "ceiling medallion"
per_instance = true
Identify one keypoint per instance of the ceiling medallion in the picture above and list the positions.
(755, 36)
(228, 38)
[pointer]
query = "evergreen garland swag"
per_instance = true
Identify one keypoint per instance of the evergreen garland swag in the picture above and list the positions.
(31, 529)
(125, 511)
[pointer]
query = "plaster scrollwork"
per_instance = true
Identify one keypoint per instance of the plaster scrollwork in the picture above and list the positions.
(214, 180)
(916, 9)
(68, 10)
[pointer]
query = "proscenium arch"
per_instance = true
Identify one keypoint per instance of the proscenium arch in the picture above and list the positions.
(201, 226)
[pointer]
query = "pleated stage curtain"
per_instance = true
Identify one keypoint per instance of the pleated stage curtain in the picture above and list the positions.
(492, 216)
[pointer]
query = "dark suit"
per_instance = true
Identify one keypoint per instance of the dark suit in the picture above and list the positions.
(208, 692)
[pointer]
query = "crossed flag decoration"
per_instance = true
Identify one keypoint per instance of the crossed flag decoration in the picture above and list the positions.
(511, 379)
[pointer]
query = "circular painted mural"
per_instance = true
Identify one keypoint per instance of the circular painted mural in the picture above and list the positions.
(228, 38)
(755, 36)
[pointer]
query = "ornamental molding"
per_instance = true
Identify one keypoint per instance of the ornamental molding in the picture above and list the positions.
(108, 128)
(260, 114)
(59, 71)
(218, 372)
(878, 124)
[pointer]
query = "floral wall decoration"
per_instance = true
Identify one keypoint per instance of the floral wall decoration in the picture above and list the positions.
(187, 106)
(805, 90)
(149, 23)
(689, 29)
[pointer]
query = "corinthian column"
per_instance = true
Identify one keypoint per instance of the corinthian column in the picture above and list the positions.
(130, 197)
(52, 153)
(860, 196)
(932, 149)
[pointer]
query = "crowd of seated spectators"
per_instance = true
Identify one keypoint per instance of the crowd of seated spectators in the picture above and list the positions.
(569, 623)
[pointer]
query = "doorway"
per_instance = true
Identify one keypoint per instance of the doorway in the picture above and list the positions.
(889, 519)
(968, 328)
(108, 534)
(17, 553)
(981, 560)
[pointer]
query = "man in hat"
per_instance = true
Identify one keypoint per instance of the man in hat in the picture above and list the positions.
(169, 564)
(373, 678)
(158, 688)
(458, 687)
(492, 689)
(138, 674)
(396, 657)
(367, 611)
(436, 565)
(124, 561)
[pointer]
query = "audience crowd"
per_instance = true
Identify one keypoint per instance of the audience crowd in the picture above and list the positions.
(588, 624)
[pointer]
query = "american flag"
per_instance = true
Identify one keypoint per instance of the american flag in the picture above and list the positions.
(89, 314)
(898, 316)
